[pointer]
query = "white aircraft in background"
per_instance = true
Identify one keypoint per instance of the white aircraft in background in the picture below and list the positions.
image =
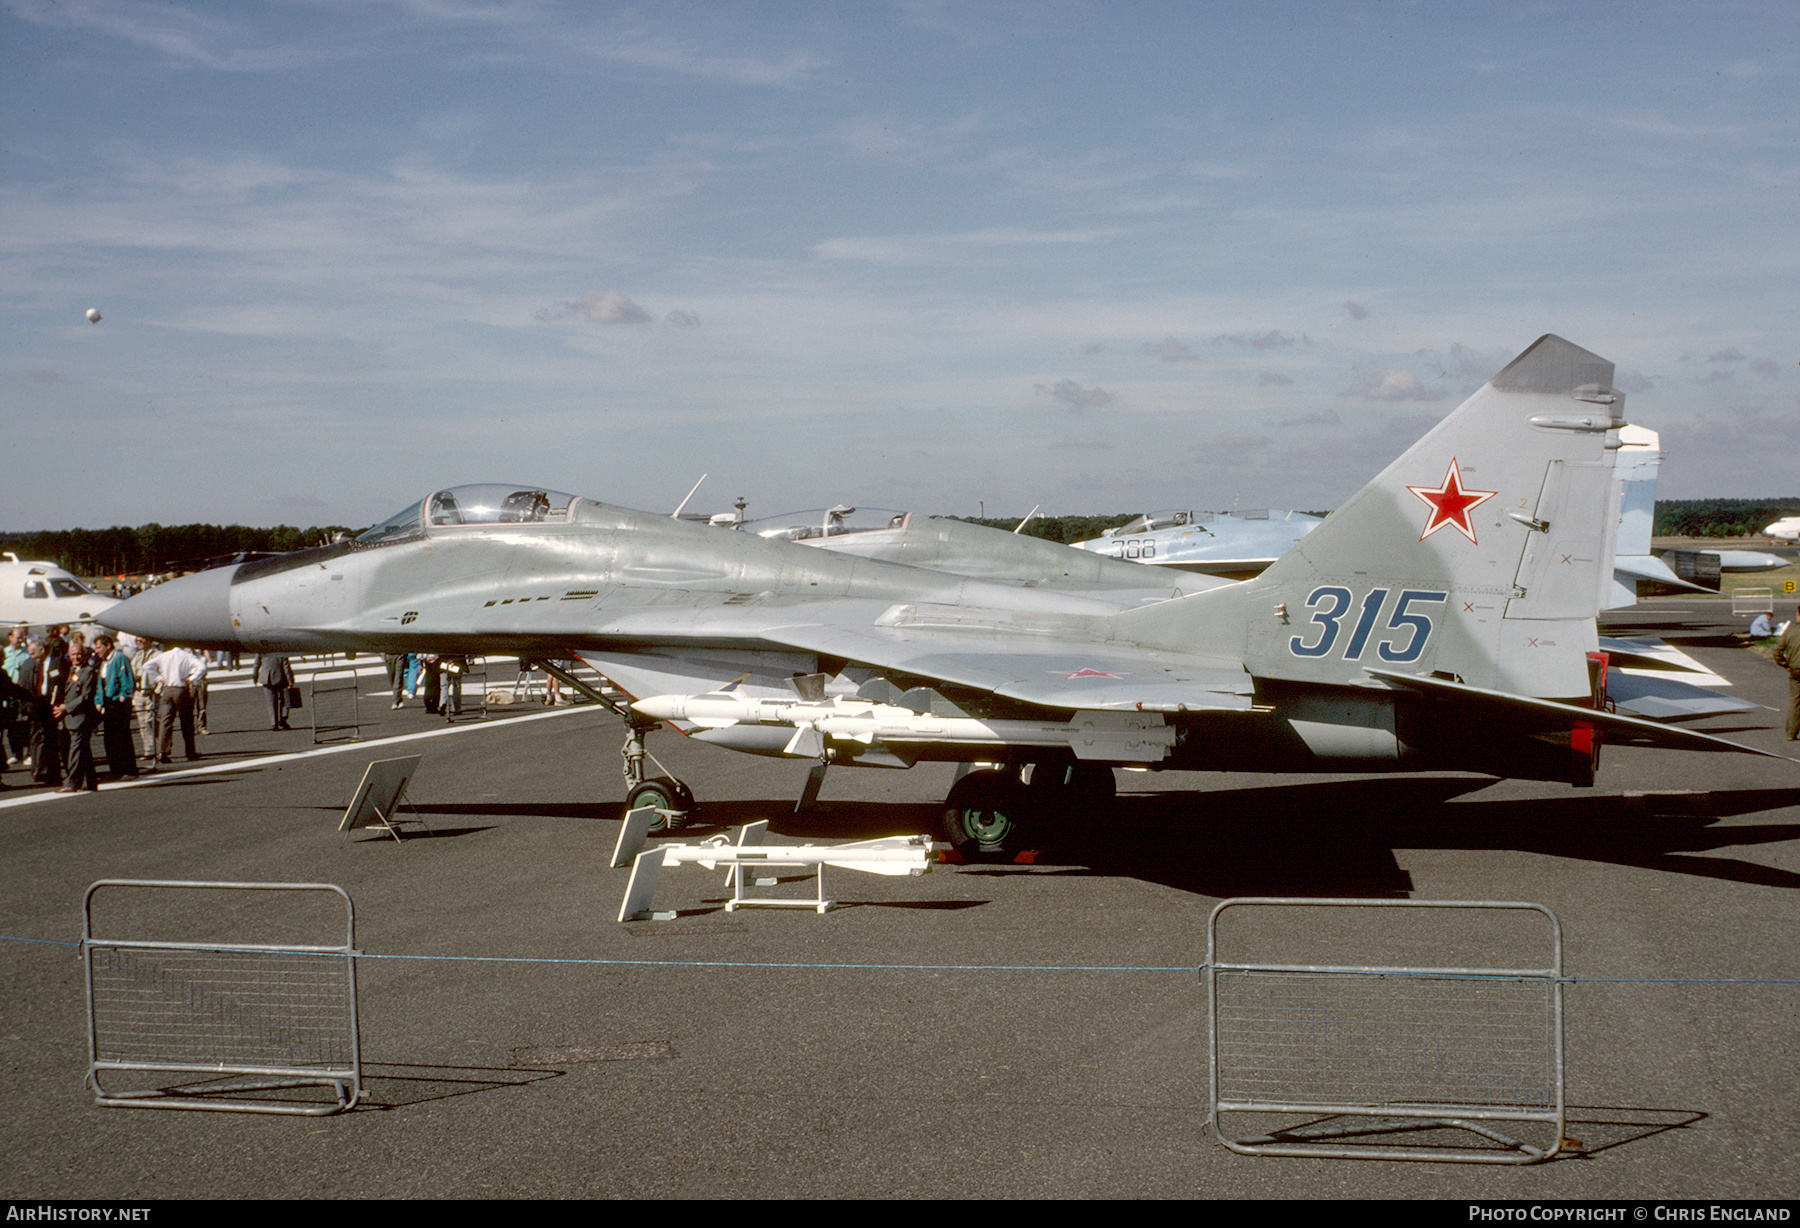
(44, 595)
(1240, 544)
(1640, 453)
(1787, 529)
(1235, 544)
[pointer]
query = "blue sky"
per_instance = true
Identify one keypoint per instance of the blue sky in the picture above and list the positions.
(1094, 256)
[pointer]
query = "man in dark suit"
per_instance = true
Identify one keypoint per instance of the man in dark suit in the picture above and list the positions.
(14, 700)
(43, 675)
(79, 713)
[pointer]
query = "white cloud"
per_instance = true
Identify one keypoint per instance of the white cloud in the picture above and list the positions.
(607, 307)
(1392, 384)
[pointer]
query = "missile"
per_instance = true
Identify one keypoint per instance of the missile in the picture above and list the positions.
(862, 727)
(893, 855)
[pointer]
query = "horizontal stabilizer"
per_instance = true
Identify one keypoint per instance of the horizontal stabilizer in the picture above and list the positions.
(1663, 698)
(1523, 712)
(1659, 655)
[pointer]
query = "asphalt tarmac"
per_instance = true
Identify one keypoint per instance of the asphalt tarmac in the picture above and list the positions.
(1022, 1030)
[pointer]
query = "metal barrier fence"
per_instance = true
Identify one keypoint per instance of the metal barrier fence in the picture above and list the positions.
(1752, 601)
(332, 695)
(1369, 1057)
(233, 1020)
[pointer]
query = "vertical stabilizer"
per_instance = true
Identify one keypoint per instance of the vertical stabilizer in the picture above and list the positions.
(1480, 554)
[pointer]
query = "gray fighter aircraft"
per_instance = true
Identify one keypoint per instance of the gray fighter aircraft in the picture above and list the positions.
(972, 550)
(1442, 618)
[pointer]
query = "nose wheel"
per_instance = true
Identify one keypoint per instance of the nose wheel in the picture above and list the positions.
(672, 800)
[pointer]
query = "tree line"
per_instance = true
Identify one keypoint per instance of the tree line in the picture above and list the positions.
(1674, 518)
(153, 548)
(1065, 529)
(1719, 517)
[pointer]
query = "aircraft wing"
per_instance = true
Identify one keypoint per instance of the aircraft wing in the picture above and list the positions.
(1041, 661)
(1046, 671)
(1649, 567)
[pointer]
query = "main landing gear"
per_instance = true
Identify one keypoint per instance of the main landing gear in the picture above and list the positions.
(993, 813)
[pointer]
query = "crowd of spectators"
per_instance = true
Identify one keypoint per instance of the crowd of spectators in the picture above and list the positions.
(58, 689)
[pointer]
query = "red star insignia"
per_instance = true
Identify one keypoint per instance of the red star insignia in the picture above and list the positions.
(1086, 673)
(1450, 504)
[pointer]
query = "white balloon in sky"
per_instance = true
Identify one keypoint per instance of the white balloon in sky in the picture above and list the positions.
(93, 315)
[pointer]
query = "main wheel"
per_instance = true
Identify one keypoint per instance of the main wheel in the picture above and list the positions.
(983, 816)
(673, 800)
(1072, 786)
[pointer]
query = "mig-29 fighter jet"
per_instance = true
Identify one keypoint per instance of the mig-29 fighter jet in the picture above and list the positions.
(1442, 618)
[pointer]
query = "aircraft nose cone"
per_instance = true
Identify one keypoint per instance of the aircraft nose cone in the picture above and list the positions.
(193, 610)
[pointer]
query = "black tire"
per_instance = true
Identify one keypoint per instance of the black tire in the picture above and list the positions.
(1091, 784)
(1073, 786)
(673, 800)
(984, 815)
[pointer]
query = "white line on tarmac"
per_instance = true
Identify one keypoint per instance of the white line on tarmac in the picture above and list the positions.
(51, 795)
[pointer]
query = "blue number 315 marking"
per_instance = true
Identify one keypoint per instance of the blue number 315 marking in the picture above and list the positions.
(1330, 621)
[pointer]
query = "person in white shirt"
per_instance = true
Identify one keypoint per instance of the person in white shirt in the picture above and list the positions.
(174, 675)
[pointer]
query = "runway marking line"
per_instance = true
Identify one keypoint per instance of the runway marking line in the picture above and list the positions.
(234, 765)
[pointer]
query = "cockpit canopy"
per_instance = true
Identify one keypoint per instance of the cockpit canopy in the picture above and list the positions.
(825, 522)
(57, 586)
(1174, 518)
(485, 503)
(1167, 519)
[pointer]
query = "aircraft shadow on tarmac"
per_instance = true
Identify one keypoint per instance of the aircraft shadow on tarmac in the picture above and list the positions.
(524, 810)
(1312, 839)
(1335, 838)
(1338, 838)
